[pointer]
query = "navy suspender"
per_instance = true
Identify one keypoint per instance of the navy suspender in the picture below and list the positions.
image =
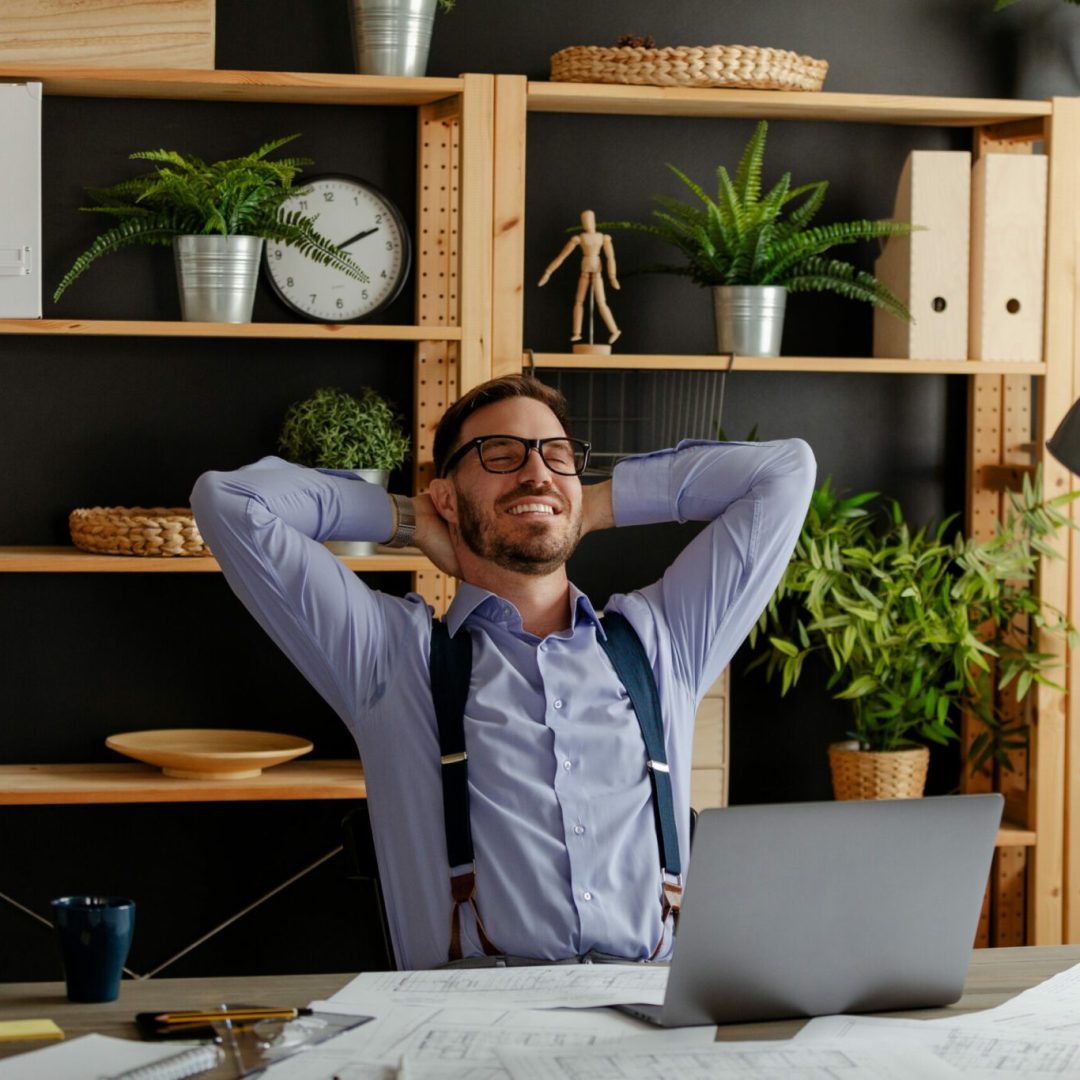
(451, 669)
(627, 656)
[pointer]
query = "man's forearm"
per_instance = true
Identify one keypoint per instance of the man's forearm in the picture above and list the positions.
(596, 512)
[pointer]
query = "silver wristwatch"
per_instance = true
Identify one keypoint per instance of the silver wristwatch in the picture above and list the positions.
(405, 524)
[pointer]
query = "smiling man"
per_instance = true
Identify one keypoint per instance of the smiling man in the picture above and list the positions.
(567, 855)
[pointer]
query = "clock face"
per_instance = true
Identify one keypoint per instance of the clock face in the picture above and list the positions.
(364, 222)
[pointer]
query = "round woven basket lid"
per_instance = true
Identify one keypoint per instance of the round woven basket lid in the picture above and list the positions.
(745, 67)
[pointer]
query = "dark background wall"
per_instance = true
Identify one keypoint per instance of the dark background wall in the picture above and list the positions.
(87, 421)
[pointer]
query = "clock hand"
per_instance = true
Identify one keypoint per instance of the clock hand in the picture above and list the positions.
(358, 236)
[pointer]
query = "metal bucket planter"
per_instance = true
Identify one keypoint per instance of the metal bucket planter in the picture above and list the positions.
(361, 547)
(749, 319)
(217, 276)
(391, 37)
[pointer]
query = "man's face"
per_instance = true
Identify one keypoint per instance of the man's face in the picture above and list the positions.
(528, 521)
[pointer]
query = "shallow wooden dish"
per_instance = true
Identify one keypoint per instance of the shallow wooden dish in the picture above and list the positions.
(209, 753)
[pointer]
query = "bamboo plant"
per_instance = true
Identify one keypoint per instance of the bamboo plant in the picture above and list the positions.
(914, 627)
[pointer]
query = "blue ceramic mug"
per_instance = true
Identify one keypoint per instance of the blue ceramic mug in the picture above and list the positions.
(95, 936)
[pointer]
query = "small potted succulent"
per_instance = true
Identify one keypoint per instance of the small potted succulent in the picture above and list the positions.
(753, 247)
(216, 217)
(333, 429)
(915, 628)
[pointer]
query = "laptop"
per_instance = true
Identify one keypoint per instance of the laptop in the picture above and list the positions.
(811, 909)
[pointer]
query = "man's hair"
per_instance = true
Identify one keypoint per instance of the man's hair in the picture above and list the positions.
(501, 389)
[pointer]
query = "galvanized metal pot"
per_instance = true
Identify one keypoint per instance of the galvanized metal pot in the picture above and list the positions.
(217, 276)
(361, 547)
(749, 319)
(391, 37)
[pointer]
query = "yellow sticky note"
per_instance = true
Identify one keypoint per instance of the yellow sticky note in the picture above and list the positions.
(29, 1029)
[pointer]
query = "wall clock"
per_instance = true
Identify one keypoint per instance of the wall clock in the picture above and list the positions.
(363, 221)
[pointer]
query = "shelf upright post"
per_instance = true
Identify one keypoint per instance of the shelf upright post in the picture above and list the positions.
(1056, 799)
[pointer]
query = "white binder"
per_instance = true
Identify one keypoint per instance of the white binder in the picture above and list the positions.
(20, 200)
(928, 269)
(1008, 256)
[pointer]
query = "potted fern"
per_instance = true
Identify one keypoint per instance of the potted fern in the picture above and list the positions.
(216, 217)
(911, 626)
(752, 248)
(332, 429)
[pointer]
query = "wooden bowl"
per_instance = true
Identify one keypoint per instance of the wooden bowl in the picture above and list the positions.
(209, 753)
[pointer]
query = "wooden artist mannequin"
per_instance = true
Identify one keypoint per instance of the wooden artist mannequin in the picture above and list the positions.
(593, 244)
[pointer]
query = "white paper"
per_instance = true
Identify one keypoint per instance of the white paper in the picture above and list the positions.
(85, 1058)
(781, 1060)
(451, 1043)
(579, 986)
(971, 1050)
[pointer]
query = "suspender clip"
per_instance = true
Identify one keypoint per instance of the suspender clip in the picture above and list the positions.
(454, 759)
(658, 766)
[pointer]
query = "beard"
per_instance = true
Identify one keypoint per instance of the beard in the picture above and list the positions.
(536, 548)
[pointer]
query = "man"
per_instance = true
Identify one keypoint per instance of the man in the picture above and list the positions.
(560, 800)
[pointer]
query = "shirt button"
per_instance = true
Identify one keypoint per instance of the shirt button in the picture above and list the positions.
(566, 764)
(579, 829)
(586, 896)
(558, 703)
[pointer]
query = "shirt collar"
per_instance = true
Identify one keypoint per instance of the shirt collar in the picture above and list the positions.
(471, 597)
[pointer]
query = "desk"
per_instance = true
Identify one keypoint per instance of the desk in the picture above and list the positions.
(994, 976)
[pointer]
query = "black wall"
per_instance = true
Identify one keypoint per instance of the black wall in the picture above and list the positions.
(86, 421)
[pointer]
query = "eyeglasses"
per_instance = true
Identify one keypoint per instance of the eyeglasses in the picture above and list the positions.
(508, 453)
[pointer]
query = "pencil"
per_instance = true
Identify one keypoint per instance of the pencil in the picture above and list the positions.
(197, 1016)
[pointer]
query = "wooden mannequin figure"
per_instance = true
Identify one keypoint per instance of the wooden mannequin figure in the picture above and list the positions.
(593, 244)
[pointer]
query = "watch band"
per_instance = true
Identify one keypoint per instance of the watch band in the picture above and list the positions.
(404, 523)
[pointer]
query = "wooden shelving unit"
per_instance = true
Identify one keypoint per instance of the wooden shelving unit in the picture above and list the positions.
(1034, 875)
(451, 334)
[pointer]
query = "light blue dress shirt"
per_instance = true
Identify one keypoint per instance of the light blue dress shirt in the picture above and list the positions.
(561, 803)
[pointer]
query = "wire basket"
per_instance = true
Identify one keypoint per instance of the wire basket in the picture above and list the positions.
(166, 532)
(739, 67)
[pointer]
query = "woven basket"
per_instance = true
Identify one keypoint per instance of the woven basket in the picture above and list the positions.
(734, 66)
(868, 774)
(136, 530)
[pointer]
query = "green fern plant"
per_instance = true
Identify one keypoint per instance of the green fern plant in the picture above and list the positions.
(332, 429)
(184, 196)
(747, 237)
(912, 624)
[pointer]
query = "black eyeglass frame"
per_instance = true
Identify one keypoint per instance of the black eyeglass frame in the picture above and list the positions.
(527, 445)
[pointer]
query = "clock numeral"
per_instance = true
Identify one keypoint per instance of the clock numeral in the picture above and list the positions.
(289, 282)
(382, 273)
(339, 303)
(277, 253)
(312, 296)
(303, 204)
(363, 295)
(328, 196)
(378, 219)
(389, 245)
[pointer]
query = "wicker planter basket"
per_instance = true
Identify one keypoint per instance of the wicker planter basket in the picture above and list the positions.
(733, 66)
(121, 530)
(867, 774)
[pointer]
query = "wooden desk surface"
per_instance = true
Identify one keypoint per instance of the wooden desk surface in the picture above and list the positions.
(994, 976)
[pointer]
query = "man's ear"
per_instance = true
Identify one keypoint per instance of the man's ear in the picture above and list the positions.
(444, 499)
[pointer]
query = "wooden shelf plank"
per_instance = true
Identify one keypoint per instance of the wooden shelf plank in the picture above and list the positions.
(130, 782)
(51, 560)
(1010, 835)
(173, 329)
(837, 364)
(305, 88)
(779, 105)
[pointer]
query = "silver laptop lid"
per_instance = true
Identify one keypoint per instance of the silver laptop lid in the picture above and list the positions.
(809, 909)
